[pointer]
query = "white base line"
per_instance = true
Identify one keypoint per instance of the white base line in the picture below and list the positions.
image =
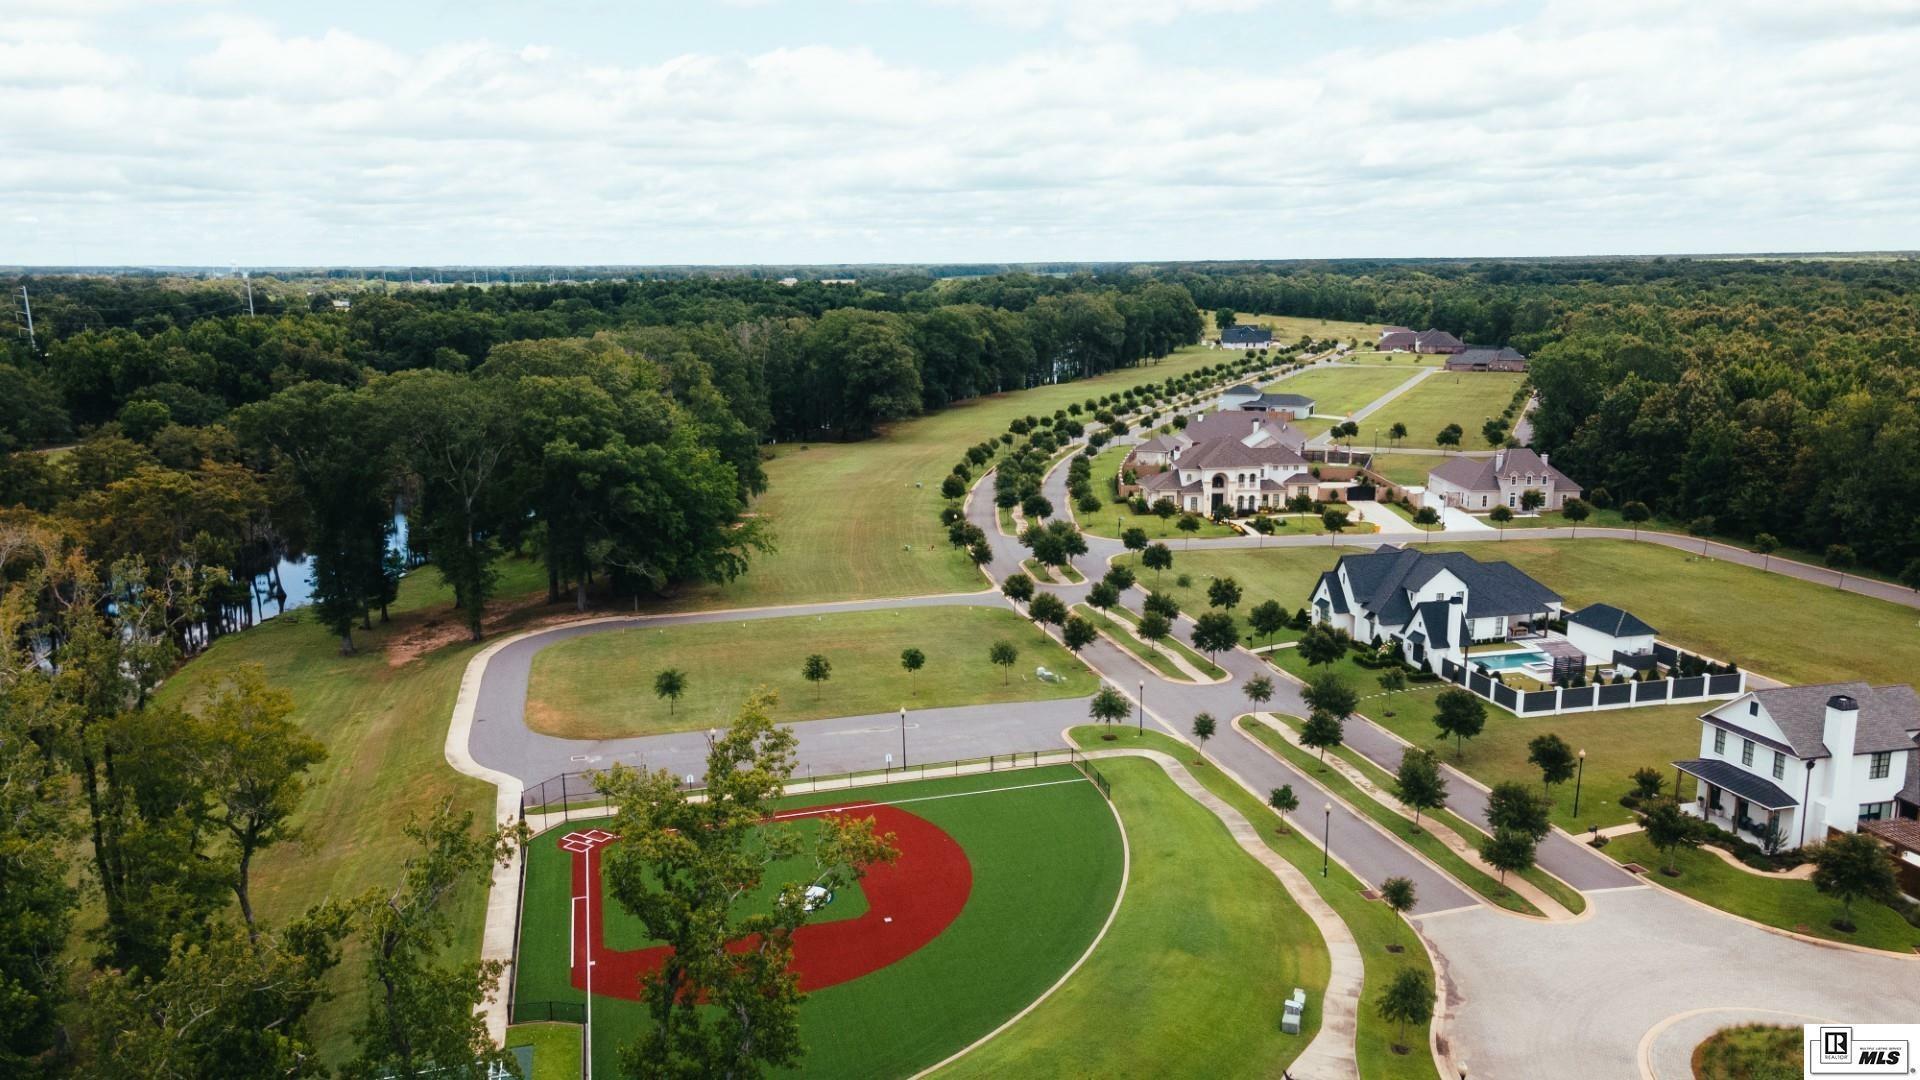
(925, 798)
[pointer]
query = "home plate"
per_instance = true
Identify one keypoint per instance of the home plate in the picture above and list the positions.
(888, 919)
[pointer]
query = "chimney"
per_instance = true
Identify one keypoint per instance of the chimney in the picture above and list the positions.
(1544, 461)
(1499, 460)
(1841, 724)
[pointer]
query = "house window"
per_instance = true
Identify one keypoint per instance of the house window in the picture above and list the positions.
(1876, 811)
(1719, 742)
(1753, 708)
(1779, 765)
(1879, 765)
(1746, 751)
(1512, 500)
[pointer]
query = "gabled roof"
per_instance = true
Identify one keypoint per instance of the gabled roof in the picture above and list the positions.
(1383, 578)
(1486, 356)
(1610, 620)
(1233, 454)
(1889, 716)
(1430, 339)
(1245, 335)
(1433, 616)
(1397, 338)
(1484, 473)
(1240, 426)
(1336, 595)
(1162, 444)
(1283, 401)
(1243, 390)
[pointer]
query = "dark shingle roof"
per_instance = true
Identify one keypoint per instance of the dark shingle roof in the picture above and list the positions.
(1246, 335)
(1382, 578)
(1283, 401)
(1610, 620)
(1433, 616)
(1248, 389)
(1725, 774)
(1483, 473)
(1889, 716)
(1486, 356)
(1334, 593)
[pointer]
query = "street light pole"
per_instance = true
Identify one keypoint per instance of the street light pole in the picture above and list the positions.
(1577, 777)
(588, 1032)
(1326, 840)
(1143, 706)
(903, 736)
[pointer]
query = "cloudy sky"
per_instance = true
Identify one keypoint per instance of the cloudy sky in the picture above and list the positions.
(633, 131)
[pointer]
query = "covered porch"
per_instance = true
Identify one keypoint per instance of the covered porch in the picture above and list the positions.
(1742, 803)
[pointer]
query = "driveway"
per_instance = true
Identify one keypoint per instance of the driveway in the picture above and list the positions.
(1458, 521)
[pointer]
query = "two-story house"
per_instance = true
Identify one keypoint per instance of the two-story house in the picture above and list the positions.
(1807, 760)
(1434, 603)
(1478, 484)
(1230, 460)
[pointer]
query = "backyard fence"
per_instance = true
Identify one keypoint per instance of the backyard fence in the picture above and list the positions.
(1567, 699)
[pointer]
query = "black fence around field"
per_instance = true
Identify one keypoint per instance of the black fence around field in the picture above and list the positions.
(547, 1012)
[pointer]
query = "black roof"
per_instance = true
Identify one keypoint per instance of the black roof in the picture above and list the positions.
(1610, 620)
(1246, 335)
(1725, 774)
(1382, 578)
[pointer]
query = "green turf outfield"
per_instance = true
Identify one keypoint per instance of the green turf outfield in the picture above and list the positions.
(1046, 867)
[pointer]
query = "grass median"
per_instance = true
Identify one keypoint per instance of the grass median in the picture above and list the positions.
(1140, 650)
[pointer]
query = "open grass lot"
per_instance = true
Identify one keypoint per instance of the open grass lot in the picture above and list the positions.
(601, 685)
(1782, 902)
(1403, 468)
(1288, 328)
(1189, 980)
(1464, 398)
(384, 726)
(556, 1049)
(1340, 390)
(1373, 924)
(849, 522)
(1750, 1052)
(1046, 865)
(1283, 574)
(1397, 359)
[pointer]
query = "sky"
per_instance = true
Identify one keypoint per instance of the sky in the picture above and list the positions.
(488, 132)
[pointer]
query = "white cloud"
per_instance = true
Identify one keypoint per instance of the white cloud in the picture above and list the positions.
(1560, 133)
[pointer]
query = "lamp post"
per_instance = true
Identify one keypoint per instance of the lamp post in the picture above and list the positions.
(1577, 777)
(1143, 706)
(587, 1033)
(903, 738)
(1326, 840)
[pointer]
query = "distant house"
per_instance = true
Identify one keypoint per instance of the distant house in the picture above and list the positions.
(343, 305)
(1293, 406)
(1610, 637)
(837, 281)
(1484, 358)
(1477, 484)
(1808, 760)
(1232, 461)
(1246, 337)
(1396, 339)
(1434, 604)
(1401, 339)
(1235, 396)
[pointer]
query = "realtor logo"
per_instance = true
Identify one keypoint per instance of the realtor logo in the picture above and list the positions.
(1859, 1049)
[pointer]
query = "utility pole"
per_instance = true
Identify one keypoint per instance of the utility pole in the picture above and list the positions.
(26, 312)
(248, 279)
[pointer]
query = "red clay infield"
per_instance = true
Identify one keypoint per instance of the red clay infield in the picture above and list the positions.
(909, 903)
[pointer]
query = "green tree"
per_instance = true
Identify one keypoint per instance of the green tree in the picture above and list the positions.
(1854, 866)
(1427, 517)
(1392, 681)
(1047, 608)
(1215, 632)
(422, 991)
(1133, 538)
(1575, 511)
(1036, 506)
(1500, 515)
(1494, 431)
(1189, 524)
(1330, 694)
(1223, 593)
(912, 660)
(1103, 595)
(1258, 690)
(670, 683)
(953, 488)
(1449, 436)
(1321, 644)
(1283, 802)
(817, 669)
(1267, 618)
(1397, 432)
(1017, 588)
(1508, 850)
(1203, 729)
(1408, 999)
(725, 1002)
(1003, 653)
(1513, 806)
(1764, 545)
(1840, 557)
(1322, 732)
(1532, 499)
(1668, 829)
(1335, 521)
(1108, 705)
(1419, 784)
(1554, 758)
(1155, 628)
(1634, 513)
(1399, 895)
(1157, 557)
(1460, 716)
(1079, 632)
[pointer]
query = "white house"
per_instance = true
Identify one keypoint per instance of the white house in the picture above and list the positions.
(1478, 484)
(1608, 636)
(1245, 337)
(1434, 604)
(1234, 397)
(1811, 760)
(1232, 461)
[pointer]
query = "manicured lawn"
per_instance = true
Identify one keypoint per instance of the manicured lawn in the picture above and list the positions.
(1283, 574)
(1174, 643)
(1785, 903)
(1046, 864)
(1464, 398)
(849, 521)
(1190, 978)
(1750, 1052)
(1403, 468)
(384, 727)
(601, 685)
(556, 1049)
(1340, 390)
(1420, 839)
(1373, 924)
(1288, 328)
(1397, 359)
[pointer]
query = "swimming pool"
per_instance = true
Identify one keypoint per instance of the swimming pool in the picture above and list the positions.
(1511, 661)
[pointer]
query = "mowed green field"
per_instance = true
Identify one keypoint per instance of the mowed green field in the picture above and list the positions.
(1397, 359)
(1288, 328)
(849, 521)
(1047, 863)
(1190, 979)
(1402, 468)
(1465, 398)
(600, 686)
(1341, 390)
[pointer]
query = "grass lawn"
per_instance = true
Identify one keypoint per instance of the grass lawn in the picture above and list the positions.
(1288, 328)
(1420, 839)
(1174, 643)
(1397, 359)
(384, 727)
(1284, 574)
(1464, 398)
(1046, 864)
(1374, 925)
(1404, 468)
(1190, 978)
(1142, 652)
(849, 521)
(1750, 1052)
(556, 1049)
(1788, 904)
(601, 685)
(1340, 390)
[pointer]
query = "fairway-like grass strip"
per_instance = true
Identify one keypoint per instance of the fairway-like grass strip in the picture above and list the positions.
(1189, 979)
(1173, 643)
(1399, 825)
(1140, 650)
(601, 685)
(1374, 925)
